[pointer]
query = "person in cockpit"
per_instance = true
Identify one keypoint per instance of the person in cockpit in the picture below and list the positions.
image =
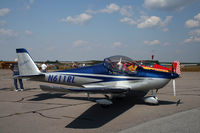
(132, 67)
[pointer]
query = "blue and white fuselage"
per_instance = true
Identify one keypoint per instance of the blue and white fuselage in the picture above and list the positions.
(117, 74)
(82, 77)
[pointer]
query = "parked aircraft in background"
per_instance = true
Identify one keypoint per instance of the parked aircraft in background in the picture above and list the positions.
(116, 77)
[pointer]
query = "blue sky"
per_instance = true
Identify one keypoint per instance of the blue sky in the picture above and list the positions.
(95, 29)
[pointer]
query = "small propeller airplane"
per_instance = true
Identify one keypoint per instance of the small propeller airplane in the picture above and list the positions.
(115, 77)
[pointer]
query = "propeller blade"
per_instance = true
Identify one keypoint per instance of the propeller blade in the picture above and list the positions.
(174, 88)
(172, 68)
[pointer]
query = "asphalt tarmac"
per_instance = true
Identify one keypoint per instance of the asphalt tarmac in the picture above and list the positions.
(36, 111)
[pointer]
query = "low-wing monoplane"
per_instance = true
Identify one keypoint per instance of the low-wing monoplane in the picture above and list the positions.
(116, 77)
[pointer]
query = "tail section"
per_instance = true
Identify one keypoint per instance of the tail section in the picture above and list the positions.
(26, 65)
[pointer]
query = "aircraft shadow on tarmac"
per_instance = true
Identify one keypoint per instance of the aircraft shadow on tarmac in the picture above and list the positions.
(97, 116)
(45, 96)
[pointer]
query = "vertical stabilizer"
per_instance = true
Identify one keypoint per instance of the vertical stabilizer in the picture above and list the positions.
(25, 63)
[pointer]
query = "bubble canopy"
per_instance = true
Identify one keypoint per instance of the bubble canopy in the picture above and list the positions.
(120, 64)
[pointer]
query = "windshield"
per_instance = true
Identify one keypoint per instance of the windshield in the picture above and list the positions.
(120, 65)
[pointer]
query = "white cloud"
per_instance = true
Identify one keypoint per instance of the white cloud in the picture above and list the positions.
(126, 11)
(194, 36)
(165, 29)
(31, 1)
(167, 20)
(79, 19)
(109, 9)
(117, 44)
(79, 43)
(197, 17)
(28, 7)
(85, 17)
(167, 5)
(4, 11)
(153, 21)
(150, 22)
(7, 32)
(90, 11)
(154, 42)
(191, 23)
(192, 40)
(28, 32)
(128, 20)
(195, 32)
(3, 22)
(166, 44)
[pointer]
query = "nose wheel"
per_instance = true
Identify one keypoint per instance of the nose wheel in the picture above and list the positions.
(152, 100)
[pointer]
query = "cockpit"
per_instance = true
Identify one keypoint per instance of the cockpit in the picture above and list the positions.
(120, 65)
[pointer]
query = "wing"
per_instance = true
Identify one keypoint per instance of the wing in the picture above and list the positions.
(99, 90)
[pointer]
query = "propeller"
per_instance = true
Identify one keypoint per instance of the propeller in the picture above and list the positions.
(174, 83)
(174, 88)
